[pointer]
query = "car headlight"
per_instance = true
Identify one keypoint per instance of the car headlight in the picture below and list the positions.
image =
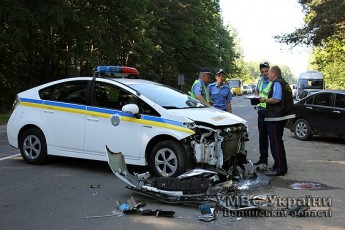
(189, 125)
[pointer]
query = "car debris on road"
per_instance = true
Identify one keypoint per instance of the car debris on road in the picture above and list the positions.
(195, 186)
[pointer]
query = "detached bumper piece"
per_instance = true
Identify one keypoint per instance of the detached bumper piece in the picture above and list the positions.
(191, 185)
(195, 186)
(173, 199)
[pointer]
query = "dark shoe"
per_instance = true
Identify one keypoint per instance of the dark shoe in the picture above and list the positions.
(261, 168)
(273, 168)
(275, 173)
(260, 162)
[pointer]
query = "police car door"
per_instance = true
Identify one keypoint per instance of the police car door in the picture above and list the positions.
(64, 117)
(106, 124)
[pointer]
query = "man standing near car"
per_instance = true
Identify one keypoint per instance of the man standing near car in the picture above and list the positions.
(199, 90)
(262, 90)
(220, 93)
(279, 105)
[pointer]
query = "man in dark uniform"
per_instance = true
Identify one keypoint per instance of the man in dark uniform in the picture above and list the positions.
(279, 105)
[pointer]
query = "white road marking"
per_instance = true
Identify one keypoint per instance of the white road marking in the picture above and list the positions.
(9, 157)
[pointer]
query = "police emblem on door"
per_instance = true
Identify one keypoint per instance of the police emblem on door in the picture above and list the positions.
(115, 119)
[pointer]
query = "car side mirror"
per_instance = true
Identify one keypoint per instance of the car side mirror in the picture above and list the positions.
(132, 109)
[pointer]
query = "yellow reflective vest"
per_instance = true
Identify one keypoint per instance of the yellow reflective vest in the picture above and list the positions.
(208, 99)
(264, 92)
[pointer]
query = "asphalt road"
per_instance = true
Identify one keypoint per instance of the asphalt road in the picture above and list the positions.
(62, 193)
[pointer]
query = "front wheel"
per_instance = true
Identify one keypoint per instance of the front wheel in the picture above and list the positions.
(33, 146)
(302, 130)
(168, 159)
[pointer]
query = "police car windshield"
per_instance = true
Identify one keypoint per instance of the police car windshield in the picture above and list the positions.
(167, 97)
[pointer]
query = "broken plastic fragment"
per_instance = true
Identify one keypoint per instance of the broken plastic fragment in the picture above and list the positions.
(197, 172)
(207, 213)
(306, 186)
(118, 165)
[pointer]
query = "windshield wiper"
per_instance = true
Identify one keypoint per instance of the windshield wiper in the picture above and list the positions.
(196, 107)
(170, 107)
(174, 107)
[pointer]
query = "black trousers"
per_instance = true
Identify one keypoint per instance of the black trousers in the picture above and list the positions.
(263, 136)
(275, 133)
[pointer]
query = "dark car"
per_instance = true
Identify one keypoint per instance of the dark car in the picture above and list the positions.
(306, 93)
(322, 113)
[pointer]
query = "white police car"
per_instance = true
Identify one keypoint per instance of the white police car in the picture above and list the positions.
(148, 122)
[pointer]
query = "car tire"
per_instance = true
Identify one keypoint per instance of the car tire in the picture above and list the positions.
(302, 129)
(168, 159)
(33, 146)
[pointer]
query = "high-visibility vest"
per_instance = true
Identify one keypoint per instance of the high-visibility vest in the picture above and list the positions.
(264, 92)
(208, 99)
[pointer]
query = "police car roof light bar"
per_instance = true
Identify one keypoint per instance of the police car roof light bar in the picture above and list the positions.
(115, 70)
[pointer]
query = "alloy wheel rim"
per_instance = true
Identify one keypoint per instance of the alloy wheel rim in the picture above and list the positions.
(301, 129)
(32, 147)
(166, 162)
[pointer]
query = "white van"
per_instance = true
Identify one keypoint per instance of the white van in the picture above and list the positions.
(310, 80)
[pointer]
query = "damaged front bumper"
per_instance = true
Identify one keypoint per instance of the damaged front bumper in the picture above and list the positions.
(195, 186)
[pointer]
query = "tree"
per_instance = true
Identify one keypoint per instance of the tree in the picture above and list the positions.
(189, 34)
(330, 60)
(249, 72)
(324, 20)
(325, 29)
(287, 75)
(46, 40)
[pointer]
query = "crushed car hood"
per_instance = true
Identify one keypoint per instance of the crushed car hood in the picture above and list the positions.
(210, 115)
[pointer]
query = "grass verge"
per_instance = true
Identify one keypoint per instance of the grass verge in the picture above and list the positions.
(4, 116)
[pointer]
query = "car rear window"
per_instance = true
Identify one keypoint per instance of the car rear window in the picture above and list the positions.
(70, 92)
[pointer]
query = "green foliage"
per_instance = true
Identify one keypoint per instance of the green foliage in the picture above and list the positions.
(41, 41)
(4, 116)
(325, 29)
(287, 75)
(324, 20)
(250, 73)
(330, 60)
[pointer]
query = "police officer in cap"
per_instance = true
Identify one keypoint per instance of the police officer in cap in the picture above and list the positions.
(220, 93)
(199, 90)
